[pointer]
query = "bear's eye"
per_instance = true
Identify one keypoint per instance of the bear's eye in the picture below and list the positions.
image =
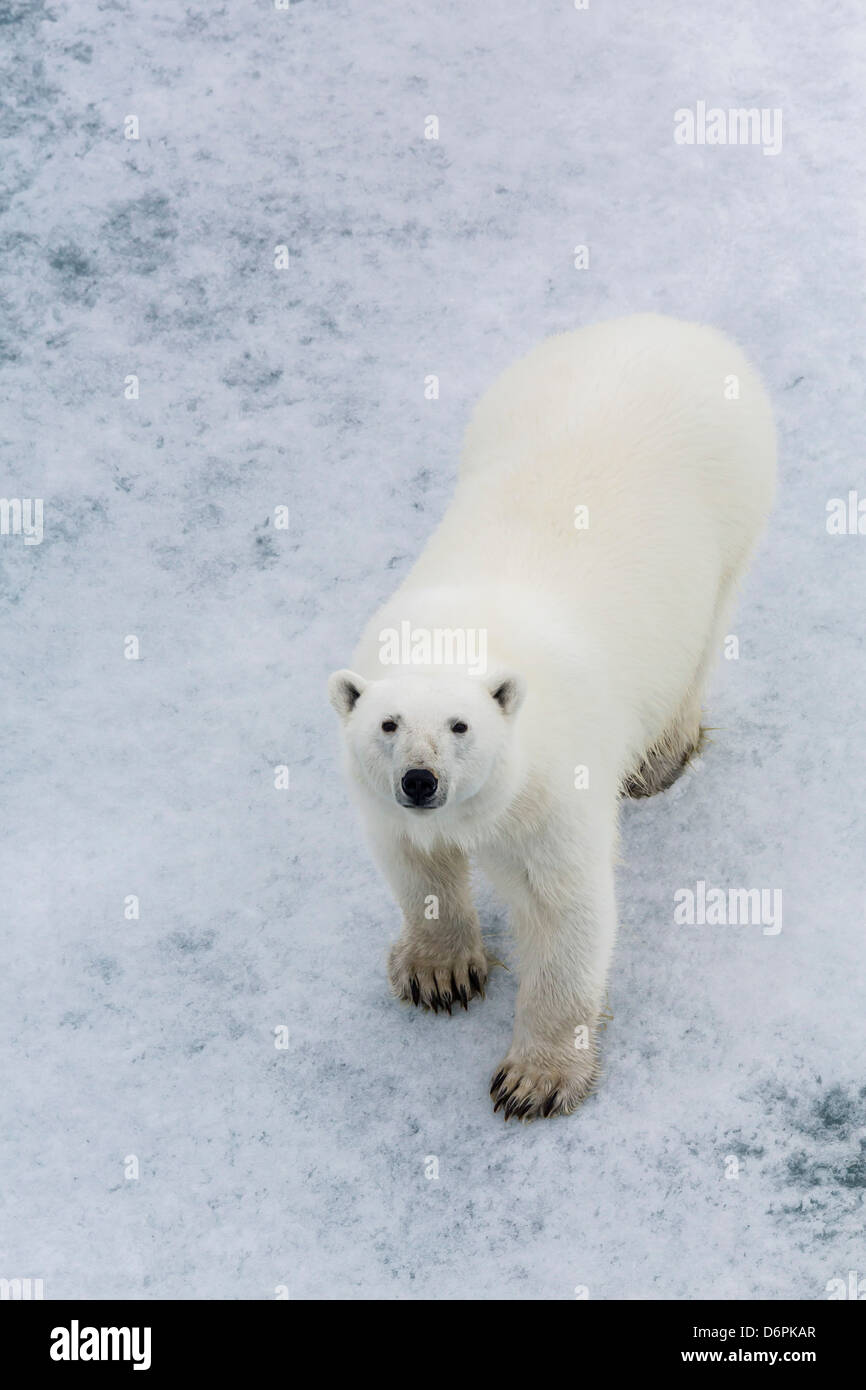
(459, 727)
(388, 726)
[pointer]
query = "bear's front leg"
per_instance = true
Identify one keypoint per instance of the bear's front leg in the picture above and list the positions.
(563, 911)
(439, 959)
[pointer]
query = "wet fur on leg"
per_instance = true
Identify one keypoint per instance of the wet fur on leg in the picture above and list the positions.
(663, 764)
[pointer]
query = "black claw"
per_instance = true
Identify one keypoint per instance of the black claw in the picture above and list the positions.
(500, 1102)
(464, 998)
(549, 1104)
(475, 982)
(416, 990)
(497, 1081)
(434, 1003)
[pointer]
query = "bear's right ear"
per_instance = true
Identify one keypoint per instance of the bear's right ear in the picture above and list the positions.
(345, 689)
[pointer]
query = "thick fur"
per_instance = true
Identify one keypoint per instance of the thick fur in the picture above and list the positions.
(600, 642)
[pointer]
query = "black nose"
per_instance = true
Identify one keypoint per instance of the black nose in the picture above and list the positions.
(419, 785)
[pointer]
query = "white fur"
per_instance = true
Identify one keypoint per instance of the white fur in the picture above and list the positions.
(609, 632)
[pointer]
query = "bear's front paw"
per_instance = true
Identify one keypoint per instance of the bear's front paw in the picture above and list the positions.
(531, 1088)
(436, 983)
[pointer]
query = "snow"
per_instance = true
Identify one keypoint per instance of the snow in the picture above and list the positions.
(154, 1037)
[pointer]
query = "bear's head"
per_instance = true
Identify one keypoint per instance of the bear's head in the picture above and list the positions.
(426, 741)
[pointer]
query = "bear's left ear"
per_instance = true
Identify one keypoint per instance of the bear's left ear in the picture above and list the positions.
(345, 689)
(508, 690)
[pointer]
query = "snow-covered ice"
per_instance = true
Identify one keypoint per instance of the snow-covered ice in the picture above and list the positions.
(154, 1038)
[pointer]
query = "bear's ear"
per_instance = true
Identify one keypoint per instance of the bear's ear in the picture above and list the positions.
(508, 690)
(345, 689)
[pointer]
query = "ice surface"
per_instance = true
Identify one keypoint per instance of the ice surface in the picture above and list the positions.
(304, 1166)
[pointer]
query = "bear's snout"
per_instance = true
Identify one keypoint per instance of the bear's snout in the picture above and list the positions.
(419, 785)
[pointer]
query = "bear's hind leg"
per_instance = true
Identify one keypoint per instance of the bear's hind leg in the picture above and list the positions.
(668, 759)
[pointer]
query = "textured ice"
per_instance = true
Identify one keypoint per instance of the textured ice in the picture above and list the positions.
(154, 1038)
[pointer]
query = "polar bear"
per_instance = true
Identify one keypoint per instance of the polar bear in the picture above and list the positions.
(548, 653)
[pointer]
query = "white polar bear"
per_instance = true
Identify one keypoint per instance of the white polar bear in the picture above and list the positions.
(548, 652)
